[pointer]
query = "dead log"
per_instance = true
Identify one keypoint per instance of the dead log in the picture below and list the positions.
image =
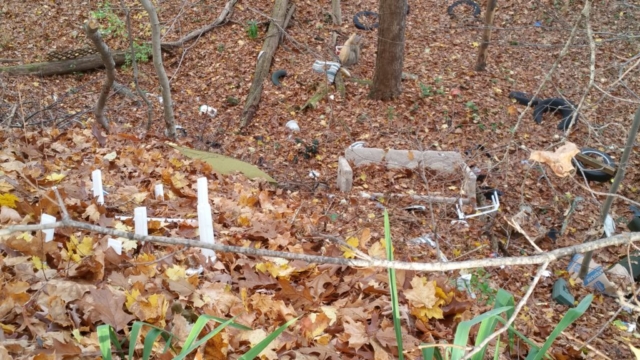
(63, 67)
(94, 61)
(264, 61)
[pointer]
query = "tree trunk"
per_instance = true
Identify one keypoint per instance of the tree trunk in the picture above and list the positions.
(389, 60)
(264, 61)
(91, 29)
(336, 12)
(481, 63)
(162, 75)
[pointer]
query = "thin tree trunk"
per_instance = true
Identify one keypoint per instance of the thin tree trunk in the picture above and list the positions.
(162, 75)
(481, 63)
(336, 12)
(264, 62)
(91, 29)
(389, 61)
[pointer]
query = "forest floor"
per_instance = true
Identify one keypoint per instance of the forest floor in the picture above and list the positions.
(55, 305)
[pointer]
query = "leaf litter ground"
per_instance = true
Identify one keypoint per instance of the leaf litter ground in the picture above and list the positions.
(56, 293)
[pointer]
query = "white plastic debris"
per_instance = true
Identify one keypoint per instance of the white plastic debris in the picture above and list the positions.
(47, 219)
(208, 110)
(464, 283)
(328, 67)
(116, 245)
(159, 191)
(357, 144)
(609, 226)
(293, 125)
(314, 174)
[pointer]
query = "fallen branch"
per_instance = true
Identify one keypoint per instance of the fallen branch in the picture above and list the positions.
(64, 67)
(550, 256)
(221, 20)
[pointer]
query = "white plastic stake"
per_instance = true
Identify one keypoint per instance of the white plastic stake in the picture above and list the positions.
(96, 177)
(116, 245)
(159, 191)
(205, 220)
(140, 221)
(48, 233)
(203, 191)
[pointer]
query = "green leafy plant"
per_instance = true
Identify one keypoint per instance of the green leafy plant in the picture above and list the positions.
(480, 284)
(503, 309)
(142, 52)
(115, 25)
(391, 113)
(425, 91)
(252, 30)
(107, 338)
(220, 48)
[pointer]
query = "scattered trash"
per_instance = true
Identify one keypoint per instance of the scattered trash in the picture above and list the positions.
(537, 24)
(601, 170)
(625, 326)
(194, 271)
(631, 265)
(360, 23)
(609, 226)
(327, 67)
(277, 75)
(464, 283)
(357, 144)
(474, 6)
(488, 192)
(526, 223)
(482, 210)
(559, 161)
(553, 234)
(314, 174)
(293, 125)
(424, 239)
(597, 277)
(415, 208)
(206, 109)
(561, 293)
(634, 224)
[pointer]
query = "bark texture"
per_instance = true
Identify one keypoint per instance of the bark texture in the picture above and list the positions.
(481, 62)
(91, 29)
(162, 75)
(264, 61)
(390, 58)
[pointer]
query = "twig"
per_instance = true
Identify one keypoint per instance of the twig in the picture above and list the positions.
(513, 317)
(338, 240)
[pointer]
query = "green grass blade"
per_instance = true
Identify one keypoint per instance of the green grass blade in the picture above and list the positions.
(431, 353)
(186, 350)
(133, 337)
(200, 324)
(572, 315)
(462, 332)
(496, 354)
(104, 339)
(149, 340)
(393, 288)
(505, 298)
(256, 350)
(487, 327)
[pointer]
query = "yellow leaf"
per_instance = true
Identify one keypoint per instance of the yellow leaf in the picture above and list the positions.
(37, 263)
(8, 200)
(457, 252)
(244, 221)
(25, 236)
(55, 177)
(111, 156)
(475, 44)
(635, 351)
(131, 297)
(348, 253)
(176, 273)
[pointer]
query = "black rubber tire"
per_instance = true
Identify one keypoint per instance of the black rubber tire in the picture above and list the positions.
(523, 98)
(275, 77)
(360, 25)
(476, 7)
(566, 109)
(594, 175)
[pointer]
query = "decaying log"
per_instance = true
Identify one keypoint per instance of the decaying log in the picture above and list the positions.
(94, 61)
(63, 67)
(264, 61)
